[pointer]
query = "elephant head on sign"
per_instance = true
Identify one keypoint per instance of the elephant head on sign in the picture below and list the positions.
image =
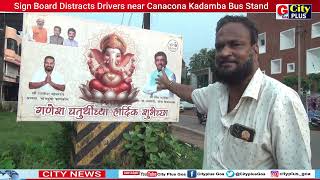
(112, 69)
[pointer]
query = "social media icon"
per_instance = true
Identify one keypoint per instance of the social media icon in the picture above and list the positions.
(230, 173)
(192, 173)
(274, 173)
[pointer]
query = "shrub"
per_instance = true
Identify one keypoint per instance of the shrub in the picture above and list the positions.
(6, 161)
(151, 146)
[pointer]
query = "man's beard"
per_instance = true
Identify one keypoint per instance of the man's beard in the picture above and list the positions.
(237, 75)
(48, 69)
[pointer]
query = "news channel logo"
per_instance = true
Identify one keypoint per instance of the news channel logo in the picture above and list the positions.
(191, 173)
(293, 11)
(230, 173)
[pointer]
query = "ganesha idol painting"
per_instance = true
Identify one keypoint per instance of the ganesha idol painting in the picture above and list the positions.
(111, 68)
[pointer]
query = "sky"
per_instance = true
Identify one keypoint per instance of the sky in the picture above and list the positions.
(196, 29)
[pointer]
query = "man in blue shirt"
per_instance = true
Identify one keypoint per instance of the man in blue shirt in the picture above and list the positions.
(70, 41)
(160, 60)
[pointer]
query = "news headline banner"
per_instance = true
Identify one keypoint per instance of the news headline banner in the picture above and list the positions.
(107, 6)
(150, 6)
(108, 75)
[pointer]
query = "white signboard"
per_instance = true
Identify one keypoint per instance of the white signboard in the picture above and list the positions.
(80, 70)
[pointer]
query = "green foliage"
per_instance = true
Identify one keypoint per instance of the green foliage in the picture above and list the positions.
(314, 77)
(205, 58)
(52, 152)
(33, 144)
(12, 132)
(6, 161)
(190, 157)
(315, 81)
(305, 84)
(151, 146)
(186, 80)
(31, 155)
(292, 81)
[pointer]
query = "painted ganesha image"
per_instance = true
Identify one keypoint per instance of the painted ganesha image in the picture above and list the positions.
(112, 68)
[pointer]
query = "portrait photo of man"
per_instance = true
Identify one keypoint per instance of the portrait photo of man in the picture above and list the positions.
(70, 41)
(56, 38)
(47, 79)
(39, 33)
(160, 61)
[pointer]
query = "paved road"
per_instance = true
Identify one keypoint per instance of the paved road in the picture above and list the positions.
(189, 130)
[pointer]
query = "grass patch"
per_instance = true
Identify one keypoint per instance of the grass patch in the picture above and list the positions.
(12, 132)
(33, 144)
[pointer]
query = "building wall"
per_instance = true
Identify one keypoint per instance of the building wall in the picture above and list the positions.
(266, 22)
(9, 67)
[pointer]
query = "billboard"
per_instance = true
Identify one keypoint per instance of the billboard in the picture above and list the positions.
(81, 70)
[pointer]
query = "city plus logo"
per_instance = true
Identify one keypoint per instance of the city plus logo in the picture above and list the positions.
(293, 11)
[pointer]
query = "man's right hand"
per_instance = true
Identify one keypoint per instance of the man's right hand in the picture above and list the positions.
(181, 90)
(162, 81)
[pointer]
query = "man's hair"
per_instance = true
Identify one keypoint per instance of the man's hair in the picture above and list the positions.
(49, 57)
(58, 27)
(161, 53)
(71, 29)
(244, 21)
(40, 20)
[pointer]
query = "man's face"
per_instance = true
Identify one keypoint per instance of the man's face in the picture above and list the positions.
(234, 54)
(48, 64)
(160, 62)
(40, 22)
(71, 35)
(56, 31)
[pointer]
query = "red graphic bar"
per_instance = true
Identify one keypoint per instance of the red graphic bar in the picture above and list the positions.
(150, 6)
(78, 174)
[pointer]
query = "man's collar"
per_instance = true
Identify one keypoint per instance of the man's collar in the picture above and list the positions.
(254, 85)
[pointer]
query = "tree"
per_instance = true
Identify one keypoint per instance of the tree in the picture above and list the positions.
(205, 58)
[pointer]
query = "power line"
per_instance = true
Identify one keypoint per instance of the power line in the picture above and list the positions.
(130, 19)
(122, 18)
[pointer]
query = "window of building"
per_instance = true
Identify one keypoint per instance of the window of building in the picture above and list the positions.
(287, 39)
(276, 66)
(11, 70)
(262, 43)
(291, 67)
(11, 44)
(315, 30)
(313, 62)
